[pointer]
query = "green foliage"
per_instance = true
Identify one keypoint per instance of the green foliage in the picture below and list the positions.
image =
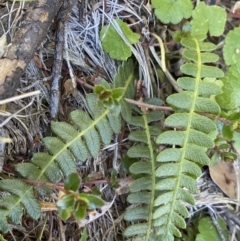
(231, 49)
(201, 228)
(2, 239)
(84, 235)
(74, 142)
(72, 182)
(230, 98)
(207, 230)
(179, 166)
(109, 97)
(22, 196)
(206, 19)
(75, 204)
(114, 44)
(142, 189)
(78, 140)
(165, 181)
(172, 11)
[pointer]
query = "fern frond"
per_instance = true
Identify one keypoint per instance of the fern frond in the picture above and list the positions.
(11, 206)
(142, 189)
(80, 140)
(76, 141)
(180, 165)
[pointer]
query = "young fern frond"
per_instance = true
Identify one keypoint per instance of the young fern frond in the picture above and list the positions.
(180, 165)
(76, 141)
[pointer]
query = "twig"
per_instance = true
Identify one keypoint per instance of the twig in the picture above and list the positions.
(145, 105)
(15, 114)
(59, 186)
(18, 97)
(63, 16)
(61, 229)
(84, 83)
(233, 217)
(167, 108)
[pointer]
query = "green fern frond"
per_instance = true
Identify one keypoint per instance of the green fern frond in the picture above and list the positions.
(80, 140)
(142, 189)
(179, 166)
(76, 141)
(11, 206)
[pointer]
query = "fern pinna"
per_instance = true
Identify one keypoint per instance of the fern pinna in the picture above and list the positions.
(168, 180)
(76, 141)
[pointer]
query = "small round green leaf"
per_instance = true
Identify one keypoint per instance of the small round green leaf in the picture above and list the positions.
(206, 19)
(65, 213)
(66, 201)
(117, 93)
(72, 182)
(230, 98)
(231, 50)
(169, 11)
(113, 43)
(227, 132)
(80, 211)
(98, 89)
(92, 201)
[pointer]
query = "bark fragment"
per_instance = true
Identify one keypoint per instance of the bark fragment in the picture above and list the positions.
(29, 36)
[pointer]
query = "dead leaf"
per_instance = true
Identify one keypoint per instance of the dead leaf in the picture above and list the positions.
(68, 88)
(37, 61)
(123, 185)
(223, 175)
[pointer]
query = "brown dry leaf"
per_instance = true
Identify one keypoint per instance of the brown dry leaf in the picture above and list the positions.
(37, 61)
(7, 68)
(223, 175)
(123, 185)
(68, 88)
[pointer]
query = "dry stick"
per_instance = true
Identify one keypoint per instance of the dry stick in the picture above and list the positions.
(145, 105)
(30, 34)
(167, 108)
(19, 97)
(63, 16)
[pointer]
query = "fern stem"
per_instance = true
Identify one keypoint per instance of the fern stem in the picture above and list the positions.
(152, 159)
